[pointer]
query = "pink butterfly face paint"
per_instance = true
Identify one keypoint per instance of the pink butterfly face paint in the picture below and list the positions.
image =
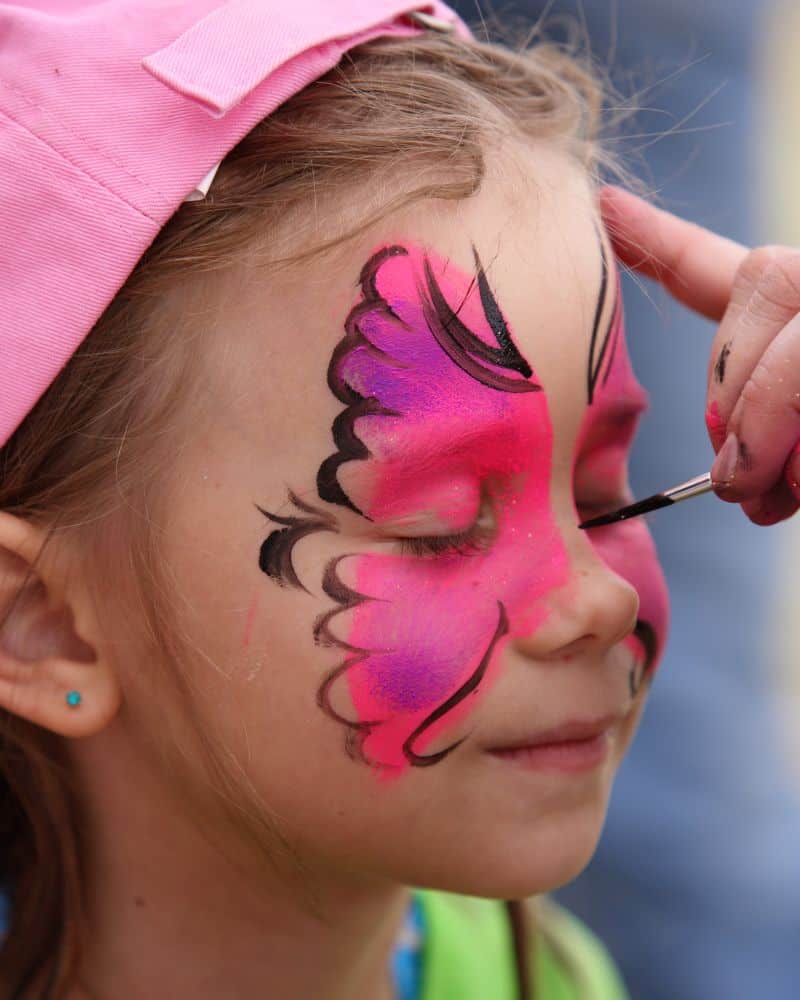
(444, 434)
(445, 431)
(454, 423)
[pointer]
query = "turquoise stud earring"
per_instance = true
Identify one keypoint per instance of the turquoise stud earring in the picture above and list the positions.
(74, 699)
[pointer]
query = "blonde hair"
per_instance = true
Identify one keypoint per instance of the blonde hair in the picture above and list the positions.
(88, 459)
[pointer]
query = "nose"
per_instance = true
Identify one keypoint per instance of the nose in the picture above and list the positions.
(592, 611)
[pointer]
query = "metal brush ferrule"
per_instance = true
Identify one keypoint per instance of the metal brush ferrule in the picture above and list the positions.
(691, 488)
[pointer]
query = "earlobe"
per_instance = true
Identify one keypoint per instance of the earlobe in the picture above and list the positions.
(50, 670)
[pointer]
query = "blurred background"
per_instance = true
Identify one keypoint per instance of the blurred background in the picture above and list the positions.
(695, 887)
(778, 73)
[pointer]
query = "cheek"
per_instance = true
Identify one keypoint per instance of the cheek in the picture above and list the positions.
(430, 634)
(628, 549)
(422, 627)
(427, 634)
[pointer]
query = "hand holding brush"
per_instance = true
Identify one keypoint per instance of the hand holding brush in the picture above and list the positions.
(753, 399)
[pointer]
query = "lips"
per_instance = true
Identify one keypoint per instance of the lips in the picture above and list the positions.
(575, 731)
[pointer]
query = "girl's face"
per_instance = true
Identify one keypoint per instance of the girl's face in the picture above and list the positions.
(376, 540)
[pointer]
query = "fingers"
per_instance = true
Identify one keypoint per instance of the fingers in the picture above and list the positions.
(696, 266)
(758, 462)
(754, 388)
(776, 505)
(753, 414)
(765, 297)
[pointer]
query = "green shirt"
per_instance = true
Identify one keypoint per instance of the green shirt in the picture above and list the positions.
(468, 953)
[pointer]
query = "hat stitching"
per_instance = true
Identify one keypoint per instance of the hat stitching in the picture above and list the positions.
(85, 142)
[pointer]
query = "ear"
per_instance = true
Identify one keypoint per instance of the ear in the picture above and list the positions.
(48, 639)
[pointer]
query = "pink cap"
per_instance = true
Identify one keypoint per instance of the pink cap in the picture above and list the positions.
(111, 114)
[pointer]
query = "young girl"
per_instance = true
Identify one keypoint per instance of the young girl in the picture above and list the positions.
(296, 612)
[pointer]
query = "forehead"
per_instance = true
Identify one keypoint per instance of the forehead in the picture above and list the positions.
(534, 225)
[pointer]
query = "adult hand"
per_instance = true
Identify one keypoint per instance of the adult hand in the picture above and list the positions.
(753, 401)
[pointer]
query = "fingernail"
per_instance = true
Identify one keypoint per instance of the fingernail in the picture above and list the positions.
(724, 467)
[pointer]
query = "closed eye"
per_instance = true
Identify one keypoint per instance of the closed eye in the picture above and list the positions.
(474, 540)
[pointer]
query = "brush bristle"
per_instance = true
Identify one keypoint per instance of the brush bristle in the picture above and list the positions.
(632, 510)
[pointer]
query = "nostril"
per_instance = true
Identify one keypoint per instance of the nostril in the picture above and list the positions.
(571, 652)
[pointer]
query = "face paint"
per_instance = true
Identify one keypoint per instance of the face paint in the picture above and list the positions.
(602, 450)
(275, 557)
(444, 419)
(601, 349)
(444, 422)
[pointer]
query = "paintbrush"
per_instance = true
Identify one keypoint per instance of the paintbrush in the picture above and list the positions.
(693, 488)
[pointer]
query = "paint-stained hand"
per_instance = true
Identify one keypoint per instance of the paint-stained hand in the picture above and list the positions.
(753, 403)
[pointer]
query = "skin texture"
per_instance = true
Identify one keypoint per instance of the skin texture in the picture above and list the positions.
(314, 860)
(753, 403)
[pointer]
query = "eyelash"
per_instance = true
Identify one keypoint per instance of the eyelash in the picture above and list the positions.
(477, 538)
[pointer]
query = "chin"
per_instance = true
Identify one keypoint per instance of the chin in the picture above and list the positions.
(535, 869)
(524, 861)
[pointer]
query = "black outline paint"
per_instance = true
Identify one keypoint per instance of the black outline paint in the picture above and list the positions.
(346, 599)
(462, 346)
(275, 555)
(467, 688)
(597, 357)
(466, 350)
(646, 634)
(592, 372)
(349, 447)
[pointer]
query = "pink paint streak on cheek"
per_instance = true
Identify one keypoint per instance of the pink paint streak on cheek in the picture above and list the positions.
(250, 620)
(435, 624)
(627, 547)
